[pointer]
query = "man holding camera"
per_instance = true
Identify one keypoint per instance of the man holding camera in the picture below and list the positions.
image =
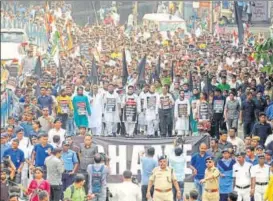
(163, 178)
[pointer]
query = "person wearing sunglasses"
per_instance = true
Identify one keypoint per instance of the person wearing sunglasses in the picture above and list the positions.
(211, 181)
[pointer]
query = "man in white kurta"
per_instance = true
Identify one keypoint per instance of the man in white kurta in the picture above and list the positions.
(151, 111)
(181, 114)
(130, 110)
(141, 116)
(96, 102)
(111, 103)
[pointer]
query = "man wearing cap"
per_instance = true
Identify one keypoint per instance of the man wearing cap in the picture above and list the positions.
(259, 150)
(225, 166)
(268, 156)
(163, 179)
(254, 141)
(262, 128)
(243, 183)
(261, 175)
(218, 104)
(71, 164)
(130, 111)
(210, 181)
(55, 169)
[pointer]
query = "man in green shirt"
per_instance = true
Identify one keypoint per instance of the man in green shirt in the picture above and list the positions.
(166, 78)
(223, 85)
(76, 191)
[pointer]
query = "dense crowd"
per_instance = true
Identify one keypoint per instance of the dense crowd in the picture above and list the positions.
(176, 85)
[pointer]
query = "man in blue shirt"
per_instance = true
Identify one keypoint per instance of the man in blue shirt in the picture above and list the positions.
(148, 163)
(45, 100)
(225, 166)
(41, 151)
(198, 166)
(71, 164)
(250, 156)
(4, 144)
(262, 129)
(27, 125)
(178, 162)
(17, 157)
(247, 114)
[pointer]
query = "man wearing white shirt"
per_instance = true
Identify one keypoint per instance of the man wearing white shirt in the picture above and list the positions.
(243, 183)
(57, 130)
(127, 190)
(238, 143)
(261, 173)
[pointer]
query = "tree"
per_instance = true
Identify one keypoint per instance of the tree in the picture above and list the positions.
(264, 55)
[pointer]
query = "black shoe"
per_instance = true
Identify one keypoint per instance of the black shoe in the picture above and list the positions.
(127, 136)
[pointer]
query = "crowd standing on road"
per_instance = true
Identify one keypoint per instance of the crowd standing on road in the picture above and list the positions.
(206, 85)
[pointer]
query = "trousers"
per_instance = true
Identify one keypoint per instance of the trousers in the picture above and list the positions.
(144, 189)
(130, 128)
(101, 196)
(67, 180)
(110, 128)
(56, 192)
(207, 196)
(243, 194)
(97, 130)
(166, 122)
(160, 196)
(152, 127)
(259, 192)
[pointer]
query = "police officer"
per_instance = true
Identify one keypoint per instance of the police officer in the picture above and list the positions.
(261, 174)
(211, 183)
(243, 184)
(163, 178)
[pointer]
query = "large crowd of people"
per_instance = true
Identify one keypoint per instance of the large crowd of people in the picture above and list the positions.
(191, 86)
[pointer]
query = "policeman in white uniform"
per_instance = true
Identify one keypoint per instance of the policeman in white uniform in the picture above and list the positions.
(243, 183)
(130, 110)
(261, 174)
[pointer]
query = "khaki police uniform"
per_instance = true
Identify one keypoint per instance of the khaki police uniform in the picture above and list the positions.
(163, 182)
(211, 187)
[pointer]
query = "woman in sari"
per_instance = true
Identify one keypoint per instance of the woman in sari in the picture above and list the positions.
(37, 185)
